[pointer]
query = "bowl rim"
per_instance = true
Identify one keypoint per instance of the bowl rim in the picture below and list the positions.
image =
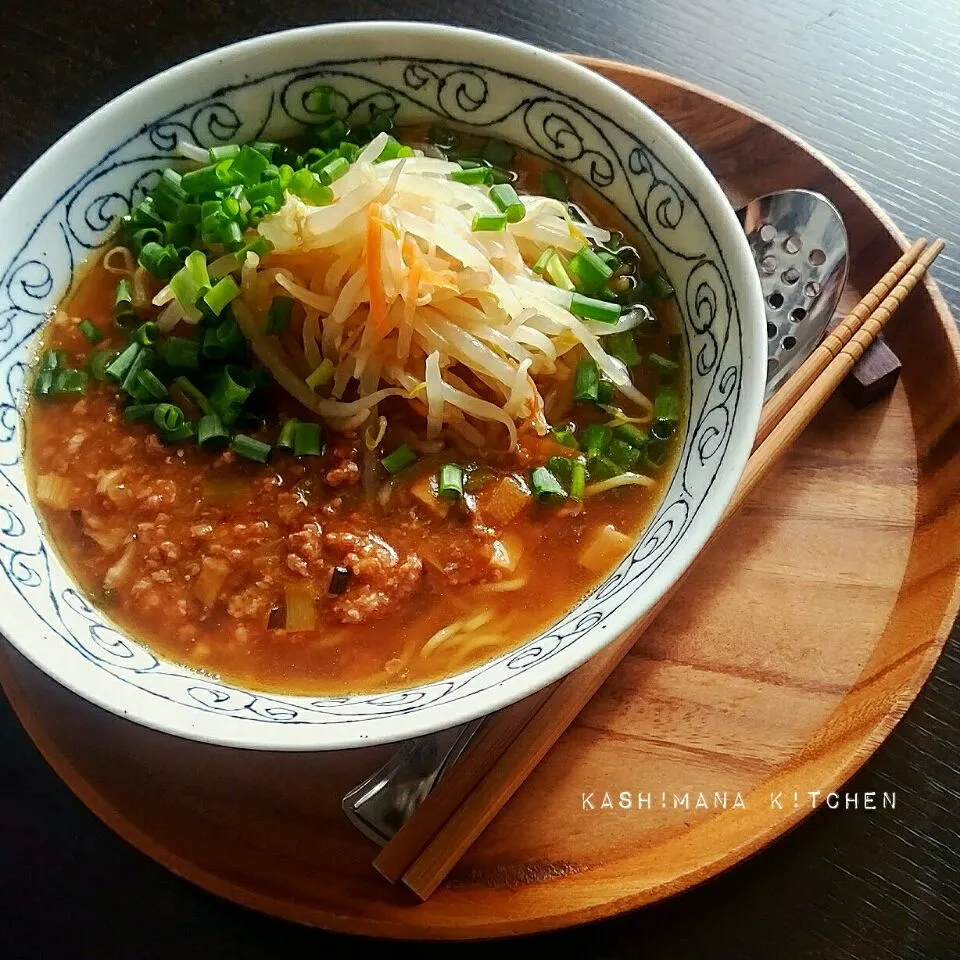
(730, 239)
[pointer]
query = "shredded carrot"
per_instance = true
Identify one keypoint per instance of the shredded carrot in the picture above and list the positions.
(372, 254)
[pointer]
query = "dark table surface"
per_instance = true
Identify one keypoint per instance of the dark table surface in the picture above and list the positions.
(875, 84)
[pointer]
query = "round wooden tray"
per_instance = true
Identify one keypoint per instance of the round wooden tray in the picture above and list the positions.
(791, 653)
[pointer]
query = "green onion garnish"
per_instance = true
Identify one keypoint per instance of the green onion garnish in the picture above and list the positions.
(657, 287)
(507, 201)
(288, 435)
(307, 186)
(591, 309)
(90, 332)
(230, 392)
(184, 432)
(623, 347)
(98, 362)
(450, 481)
(595, 440)
(557, 273)
(130, 383)
(603, 468)
(123, 311)
(553, 184)
(223, 341)
(51, 360)
(605, 391)
(663, 429)
(249, 165)
(250, 448)
(590, 270)
(623, 454)
(226, 152)
(662, 363)
(390, 151)
(321, 376)
(192, 393)
(207, 180)
(265, 147)
(180, 353)
(168, 417)
(541, 264)
(278, 316)
(43, 383)
(473, 177)
(632, 434)
(146, 334)
(545, 486)
(160, 260)
(190, 281)
(148, 386)
(138, 411)
(498, 154)
(585, 382)
(399, 459)
(564, 436)
(307, 439)
(211, 433)
(488, 222)
(118, 368)
(561, 468)
(218, 296)
(333, 170)
(578, 480)
(655, 454)
(666, 405)
(69, 382)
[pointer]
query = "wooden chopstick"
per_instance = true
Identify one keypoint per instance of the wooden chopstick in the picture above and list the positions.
(447, 835)
(811, 368)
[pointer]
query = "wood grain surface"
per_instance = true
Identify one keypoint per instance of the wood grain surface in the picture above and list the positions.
(872, 83)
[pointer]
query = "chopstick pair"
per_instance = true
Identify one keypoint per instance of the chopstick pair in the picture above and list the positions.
(512, 743)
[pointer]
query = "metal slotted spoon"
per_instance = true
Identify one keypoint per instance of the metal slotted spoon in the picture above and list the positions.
(799, 244)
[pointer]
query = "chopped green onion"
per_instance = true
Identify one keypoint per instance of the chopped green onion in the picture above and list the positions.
(602, 468)
(333, 170)
(162, 261)
(507, 201)
(321, 376)
(307, 439)
(180, 353)
(541, 263)
(288, 435)
(224, 341)
(553, 184)
(498, 154)
(632, 434)
(473, 177)
(655, 454)
(141, 361)
(488, 222)
(399, 459)
(230, 392)
(147, 237)
(98, 362)
(148, 386)
(268, 190)
(43, 382)
(209, 179)
(226, 152)
(278, 316)
(561, 468)
(590, 270)
(332, 133)
(578, 479)
(450, 481)
(118, 368)
(138, 411)
(557, 273)
(249, 165)
(192, 393)
(123, 311)
(585, 382)
(222, 293)
(307, 186)
(443, 137)
(623, 347)
(190, 281)
(666, 405)
(657, 287)
(69, 382)
(168, 417)
(265, 147)
(146, 334)
(250, 448)
(663, 429)
(662, 363)
(211, 433)
(623, 454)
(90, 332)
(591, 309)
(390, 151)
(499, 175)
(564, 436)
(349, 151)
(52, 360)
(230, 235)
(184, 432)
(545, 486)
(595, 440)
(605, 391)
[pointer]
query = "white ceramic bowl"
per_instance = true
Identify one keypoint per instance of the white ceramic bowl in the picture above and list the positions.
(62, 208)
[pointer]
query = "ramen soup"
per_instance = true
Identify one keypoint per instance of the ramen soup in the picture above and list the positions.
(355, 411)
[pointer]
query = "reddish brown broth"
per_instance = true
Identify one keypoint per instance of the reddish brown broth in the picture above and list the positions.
(290, 522)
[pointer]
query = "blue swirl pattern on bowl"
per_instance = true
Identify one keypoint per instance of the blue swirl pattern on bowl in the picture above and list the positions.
(540, 119)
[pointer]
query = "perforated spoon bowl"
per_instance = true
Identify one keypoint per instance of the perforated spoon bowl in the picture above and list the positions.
(799, 244)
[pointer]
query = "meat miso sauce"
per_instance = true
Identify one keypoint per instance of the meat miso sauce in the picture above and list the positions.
(355, 412)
